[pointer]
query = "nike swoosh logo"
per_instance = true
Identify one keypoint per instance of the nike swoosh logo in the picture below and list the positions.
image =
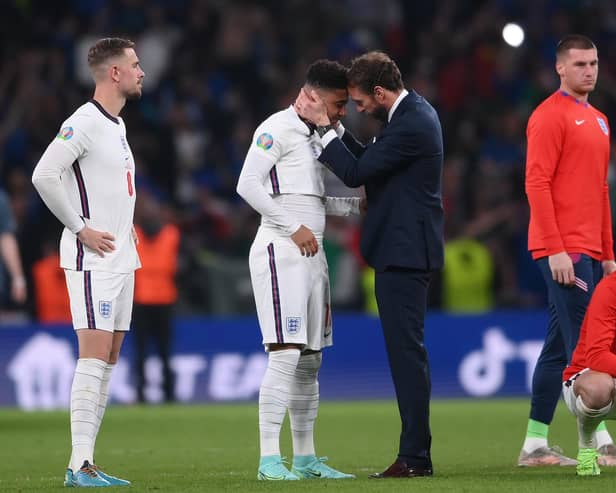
(327, 334)
(312, 473)
(579, 122)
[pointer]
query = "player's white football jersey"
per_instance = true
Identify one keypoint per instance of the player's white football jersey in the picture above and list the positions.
(283, 180)
(293, 149)
(101, 188)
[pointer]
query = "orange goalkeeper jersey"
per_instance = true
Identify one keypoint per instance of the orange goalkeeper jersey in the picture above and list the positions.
(566, 179)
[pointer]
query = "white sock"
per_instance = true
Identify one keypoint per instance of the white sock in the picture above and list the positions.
(587, 420)
(85, 395)
(587, 437)
(274, 398)
(533, 443)
(304, 403)
(603, 437)
(103, 398)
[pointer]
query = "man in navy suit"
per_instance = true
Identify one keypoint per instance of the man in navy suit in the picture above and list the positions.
(402, 233)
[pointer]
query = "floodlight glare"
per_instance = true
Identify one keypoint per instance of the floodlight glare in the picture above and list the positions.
(513, 34)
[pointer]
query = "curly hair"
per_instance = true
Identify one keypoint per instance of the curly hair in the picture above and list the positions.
(327, 74)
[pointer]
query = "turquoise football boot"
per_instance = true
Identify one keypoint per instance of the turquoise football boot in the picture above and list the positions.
(112, 480)
(272, 468)
(69, 480)
(86, 477)
(313, 467)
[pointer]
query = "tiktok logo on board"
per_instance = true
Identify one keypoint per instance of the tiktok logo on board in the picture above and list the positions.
(483, 372)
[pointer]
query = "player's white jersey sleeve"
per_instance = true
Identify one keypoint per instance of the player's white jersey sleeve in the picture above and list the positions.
(282, 161)
(76, 133)
(251, 187)
(293, 149)
(55, 161)
(270, 139)
(98, 188)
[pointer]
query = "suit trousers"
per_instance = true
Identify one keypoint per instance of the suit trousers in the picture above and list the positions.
(153, 323)
(402, 298)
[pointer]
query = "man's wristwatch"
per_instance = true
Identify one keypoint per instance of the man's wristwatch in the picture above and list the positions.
(322, 130)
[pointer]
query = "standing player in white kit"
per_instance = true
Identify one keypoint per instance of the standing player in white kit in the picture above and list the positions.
(283, 181)
(86, 178)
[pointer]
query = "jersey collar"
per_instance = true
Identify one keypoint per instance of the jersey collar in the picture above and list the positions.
(567, 95)
(104, 111)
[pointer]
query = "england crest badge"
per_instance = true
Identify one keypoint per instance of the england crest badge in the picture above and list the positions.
(105, 308)
(603, 125)
(294, 324)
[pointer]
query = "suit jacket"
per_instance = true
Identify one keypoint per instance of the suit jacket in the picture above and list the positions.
(401, 172)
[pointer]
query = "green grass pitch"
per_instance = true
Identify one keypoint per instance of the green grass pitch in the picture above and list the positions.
(214, 448)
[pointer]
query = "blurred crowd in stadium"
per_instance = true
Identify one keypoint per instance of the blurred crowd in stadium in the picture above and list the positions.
(214, 69)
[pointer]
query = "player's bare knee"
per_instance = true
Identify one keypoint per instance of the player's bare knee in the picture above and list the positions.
(101, 353)
(94, 343)
(596, 392)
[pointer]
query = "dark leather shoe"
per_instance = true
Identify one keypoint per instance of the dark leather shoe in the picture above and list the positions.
(401, 469)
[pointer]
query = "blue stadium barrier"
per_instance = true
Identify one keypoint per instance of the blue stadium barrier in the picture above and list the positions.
(221, 359)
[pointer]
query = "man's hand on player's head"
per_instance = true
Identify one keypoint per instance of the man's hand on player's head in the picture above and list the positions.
(305, 241)
(311, 107)
(99, 241)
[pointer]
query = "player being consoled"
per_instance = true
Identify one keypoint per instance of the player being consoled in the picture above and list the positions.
(283, 181)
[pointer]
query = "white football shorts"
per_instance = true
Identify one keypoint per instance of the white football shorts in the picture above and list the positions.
(568, 395)
(100, 300)
(291, 292)
(570, 398)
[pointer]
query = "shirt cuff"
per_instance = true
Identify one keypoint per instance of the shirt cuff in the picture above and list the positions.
(294, 228)
(328, 137)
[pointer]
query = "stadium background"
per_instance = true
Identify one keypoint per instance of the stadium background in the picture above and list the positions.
(214, 70)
